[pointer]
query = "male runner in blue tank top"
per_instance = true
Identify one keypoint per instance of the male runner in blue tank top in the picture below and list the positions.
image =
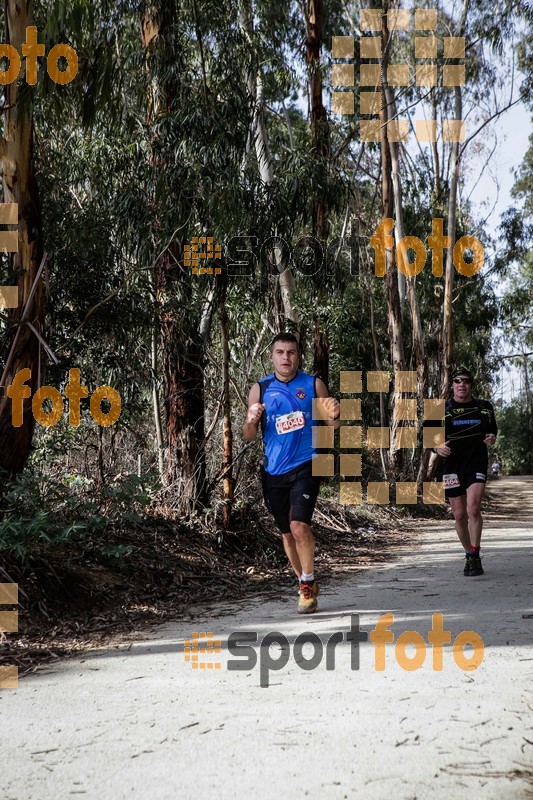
(283, 403)
(470, 425)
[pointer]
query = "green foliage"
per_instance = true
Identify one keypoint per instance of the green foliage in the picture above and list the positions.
(515, 437)
(523, 187)
(38, 512)
(125, 498)
(147, 148)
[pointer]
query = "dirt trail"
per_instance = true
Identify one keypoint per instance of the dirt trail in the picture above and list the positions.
(137, 720)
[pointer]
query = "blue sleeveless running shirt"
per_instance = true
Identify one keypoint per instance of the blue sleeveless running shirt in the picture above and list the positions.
(287, 421)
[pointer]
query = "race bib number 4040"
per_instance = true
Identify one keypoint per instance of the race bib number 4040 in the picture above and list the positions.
(290, 422)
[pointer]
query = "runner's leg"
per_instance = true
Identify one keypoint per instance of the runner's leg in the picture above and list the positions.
(304, 492)
(305, 545)
(289, 545)
(276, 491)
(458, 506)
(474, 493)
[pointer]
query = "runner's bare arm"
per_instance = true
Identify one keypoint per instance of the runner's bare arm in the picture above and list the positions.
(255, 409)
(331, 404)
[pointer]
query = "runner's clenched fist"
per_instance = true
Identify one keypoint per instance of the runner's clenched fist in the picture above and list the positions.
(332, 407)
(254, 413)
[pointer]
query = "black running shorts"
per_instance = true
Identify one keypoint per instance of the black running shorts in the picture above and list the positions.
(456, 481)
(291, 496)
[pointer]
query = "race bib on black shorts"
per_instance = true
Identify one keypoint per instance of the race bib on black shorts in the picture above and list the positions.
(451, 480)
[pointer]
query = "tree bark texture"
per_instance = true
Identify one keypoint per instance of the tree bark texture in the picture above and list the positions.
(320, 148)
(391, 274)
(20, 186)
(182, 348)
(447, 357)
(228, 483)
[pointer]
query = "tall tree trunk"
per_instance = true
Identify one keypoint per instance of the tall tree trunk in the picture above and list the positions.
(20, 186)
(447, 322)
(527, 389)
(266, 170)
(399, 230)
(391, 274)
(410, 281)
(183, 382)
(258, 136)
(320, 349)
(156, 407)
(436, 161)
(377, 361)
(182, 346)
(319, 123)
(320, 148)
(228, 484)
(156, 403)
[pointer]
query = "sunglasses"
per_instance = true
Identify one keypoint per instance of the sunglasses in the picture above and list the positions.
(462, 380)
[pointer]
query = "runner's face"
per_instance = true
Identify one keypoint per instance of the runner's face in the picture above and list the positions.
(462, 392)
(284, 357)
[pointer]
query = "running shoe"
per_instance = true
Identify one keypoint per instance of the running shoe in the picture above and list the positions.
(473, 566)
(315, 588)
(307, 602)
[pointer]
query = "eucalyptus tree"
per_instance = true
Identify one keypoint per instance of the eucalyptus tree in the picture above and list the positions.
(146, 155)
(26, 328)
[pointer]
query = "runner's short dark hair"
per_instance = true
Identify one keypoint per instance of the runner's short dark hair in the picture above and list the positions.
(462, 371)
(285, 336)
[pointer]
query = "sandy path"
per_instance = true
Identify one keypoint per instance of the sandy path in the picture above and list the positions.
(137, 720)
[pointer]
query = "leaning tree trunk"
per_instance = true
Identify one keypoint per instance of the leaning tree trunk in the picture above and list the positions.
(156, 407)
(20, 187)
(228, 483)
